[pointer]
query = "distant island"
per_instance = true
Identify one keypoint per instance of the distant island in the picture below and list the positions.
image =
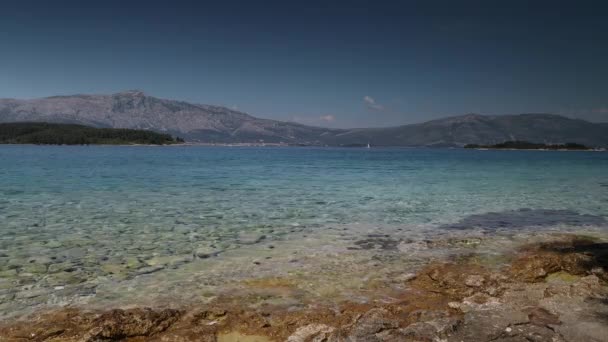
(526, 145)
(209, 124)
(41, 133)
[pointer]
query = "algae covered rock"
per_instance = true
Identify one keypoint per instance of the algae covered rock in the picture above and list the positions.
(118, 324)
(575, 256)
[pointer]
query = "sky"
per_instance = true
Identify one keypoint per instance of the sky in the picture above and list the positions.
(324, 63)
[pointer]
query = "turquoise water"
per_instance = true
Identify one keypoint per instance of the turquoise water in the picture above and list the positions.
(67, 211)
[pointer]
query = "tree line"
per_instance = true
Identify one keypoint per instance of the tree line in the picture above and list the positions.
(526, 145)
(43, 133)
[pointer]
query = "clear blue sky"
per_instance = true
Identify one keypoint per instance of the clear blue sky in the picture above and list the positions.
(330, 63)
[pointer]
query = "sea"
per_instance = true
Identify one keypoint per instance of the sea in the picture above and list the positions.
(145, 225)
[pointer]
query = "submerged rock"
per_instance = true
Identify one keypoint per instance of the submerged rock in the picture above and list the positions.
(452, 301)
(53, 244)
(59, 267)
(10, 273)
(169, 260)
(65, 278)
(379, 242)
(34, 268)
(207, 251)
(412, 247)
(113, 268)
(149, 269)
(133, 263)
(249, 238)
(31, 293)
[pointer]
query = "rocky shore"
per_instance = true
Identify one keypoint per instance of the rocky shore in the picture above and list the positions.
(554, 290)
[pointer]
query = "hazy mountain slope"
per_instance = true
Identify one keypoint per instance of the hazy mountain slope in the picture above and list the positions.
(133, 109)
(205, 123)
(480, 129)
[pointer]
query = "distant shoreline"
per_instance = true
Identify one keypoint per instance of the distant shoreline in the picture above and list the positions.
(530, 146)
(537, 149)
(195, 144)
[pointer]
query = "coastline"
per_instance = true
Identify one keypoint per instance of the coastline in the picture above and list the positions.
(552, 287)
(537, 149)
(195, 144)
(146, 145)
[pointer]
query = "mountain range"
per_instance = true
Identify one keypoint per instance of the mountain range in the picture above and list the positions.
(216, 124)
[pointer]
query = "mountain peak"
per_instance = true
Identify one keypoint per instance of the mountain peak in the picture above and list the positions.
(470, 117)
(132, 92)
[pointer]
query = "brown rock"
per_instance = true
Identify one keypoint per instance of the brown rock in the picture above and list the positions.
(372, 323)
(431, 330)
(535, 267)
(573, 255)
(542, 317)
(474, 280)
(457, 280)
(311, 332)
(118, 324)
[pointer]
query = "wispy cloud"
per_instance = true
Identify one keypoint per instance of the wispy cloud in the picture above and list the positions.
(320, 120)
(327, 118)
(371, 104)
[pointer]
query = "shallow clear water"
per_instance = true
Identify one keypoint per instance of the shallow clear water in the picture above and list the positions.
(70, 216)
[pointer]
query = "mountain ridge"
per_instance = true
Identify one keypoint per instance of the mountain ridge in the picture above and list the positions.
(216, 124)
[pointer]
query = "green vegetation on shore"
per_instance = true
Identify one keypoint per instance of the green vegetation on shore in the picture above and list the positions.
(42, 133)
(525, 145)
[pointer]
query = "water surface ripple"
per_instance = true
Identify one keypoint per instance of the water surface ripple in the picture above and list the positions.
(75, 218)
